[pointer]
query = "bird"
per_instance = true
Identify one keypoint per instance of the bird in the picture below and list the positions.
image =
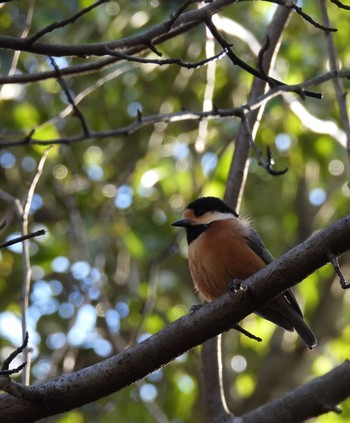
(223, 247)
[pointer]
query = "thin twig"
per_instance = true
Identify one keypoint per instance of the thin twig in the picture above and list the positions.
(27, 270)
(184, 115)
(180, 10)
(271, 162)
(266, 164)
(208, 95)
(243, 65)
(333, 259)
(299, 11)
(28, 23)
(22, 238)
(70, 99)
(244, 332)
(10, 386)
(161, 62)
(340, 4)
(6, 363)
(65, 22)
(13, 371)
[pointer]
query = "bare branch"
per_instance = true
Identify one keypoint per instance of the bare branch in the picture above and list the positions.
(340, 4)
(13, 371)
(22, 238)
(323, 395)
(266, 164)
(27, 270)
(180, 10)
(243, 65)
(253, 104)
(179, 62)
(299, 11)
(15, 389)
(333, 259)
(338, 87)
(70, 99)
(14, 354)
(130, 45)
(86, 385)
(271, 162)
(24, 33)
(65, 22)
(244, 332)
(69, 70)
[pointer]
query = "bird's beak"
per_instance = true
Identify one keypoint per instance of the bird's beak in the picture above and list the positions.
(182, 223)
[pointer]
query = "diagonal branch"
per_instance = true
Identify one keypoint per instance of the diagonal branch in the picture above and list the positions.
(319, 396)
(70, 99)
(162, 62)
(338, 87)
(245, 66)
(27, 269)
(65, 22)
(22, 238)
(129, 45)
(12, 356)
(75, 389)
(299, 11)
(340, 4)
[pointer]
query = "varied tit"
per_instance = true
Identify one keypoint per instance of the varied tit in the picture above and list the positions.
(223, 247)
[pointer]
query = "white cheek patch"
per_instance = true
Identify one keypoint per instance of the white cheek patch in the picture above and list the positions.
(212, 217)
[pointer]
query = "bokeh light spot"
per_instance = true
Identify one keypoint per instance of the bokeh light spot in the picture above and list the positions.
(238, 363)
(317, 196)
(148, 392)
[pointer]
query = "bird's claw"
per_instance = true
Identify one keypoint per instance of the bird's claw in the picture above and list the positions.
(195, 308)
(236, 286)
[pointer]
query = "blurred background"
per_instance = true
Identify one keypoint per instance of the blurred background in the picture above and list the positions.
(111, 270)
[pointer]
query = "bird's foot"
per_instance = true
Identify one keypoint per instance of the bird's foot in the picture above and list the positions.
(195, 308)
(236, 286)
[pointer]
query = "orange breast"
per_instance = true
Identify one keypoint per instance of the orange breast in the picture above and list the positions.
(220, 255)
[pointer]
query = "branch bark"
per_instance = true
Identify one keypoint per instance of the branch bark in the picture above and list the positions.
(319, 396)
(129, 45)
(104, 378)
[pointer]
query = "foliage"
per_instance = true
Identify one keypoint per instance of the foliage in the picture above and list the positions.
(111, 270)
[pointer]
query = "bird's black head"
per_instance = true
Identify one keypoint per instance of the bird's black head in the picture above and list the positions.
(209, 204)
(201, 213)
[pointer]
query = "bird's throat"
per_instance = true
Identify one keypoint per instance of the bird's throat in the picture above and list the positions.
(194, 231)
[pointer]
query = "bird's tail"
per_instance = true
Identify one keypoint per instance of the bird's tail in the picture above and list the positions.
(303, 329)
(289, 317)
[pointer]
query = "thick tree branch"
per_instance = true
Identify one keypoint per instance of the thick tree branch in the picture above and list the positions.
(338, 86)
(239, 167)
(89, 384)
(129, 45)
(319, 396)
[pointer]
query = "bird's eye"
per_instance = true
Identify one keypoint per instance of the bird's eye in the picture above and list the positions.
(200, 212)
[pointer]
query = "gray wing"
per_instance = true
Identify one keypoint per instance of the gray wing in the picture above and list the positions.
(257, 245)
